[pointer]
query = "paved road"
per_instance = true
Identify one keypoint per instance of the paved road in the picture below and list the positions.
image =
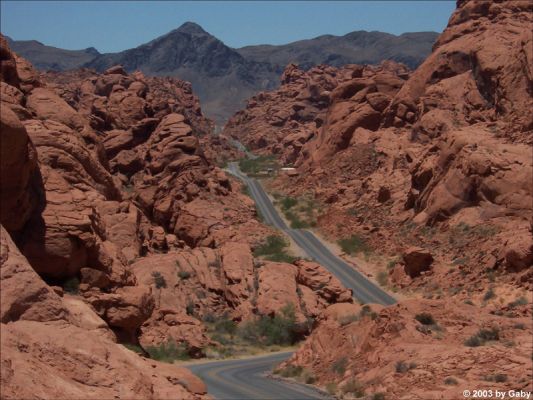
(363, 289)
(244, 379)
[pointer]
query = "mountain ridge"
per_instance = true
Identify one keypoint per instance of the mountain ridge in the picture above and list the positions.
(224, 77)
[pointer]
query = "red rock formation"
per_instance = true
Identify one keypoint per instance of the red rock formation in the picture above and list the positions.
(439, 158)
(228, 281)
(55, 347)
(414, 349)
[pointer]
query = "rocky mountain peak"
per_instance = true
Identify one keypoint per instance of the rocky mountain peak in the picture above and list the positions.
(191, 28)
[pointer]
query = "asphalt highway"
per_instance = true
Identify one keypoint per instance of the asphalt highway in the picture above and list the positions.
(363, 289)
(245, 379)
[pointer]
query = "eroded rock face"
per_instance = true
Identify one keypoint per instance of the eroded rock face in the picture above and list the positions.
(228, 281)
(389, 351)
(438, 158)
(282, 121)
(55, 347)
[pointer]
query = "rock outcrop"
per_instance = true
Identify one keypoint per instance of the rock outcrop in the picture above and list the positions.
(203, 283)
(416, 349)
(436, 158)
(54, 347)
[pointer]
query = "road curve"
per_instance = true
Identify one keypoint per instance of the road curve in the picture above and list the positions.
(363, 289)
(245, 379)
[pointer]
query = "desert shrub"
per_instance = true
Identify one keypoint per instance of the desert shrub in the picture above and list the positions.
(339, 366)
(520, 325)
(474, 341)
(354, 244)
(257, 165)
(482, 336)
(348, 319)
(225, 325)
(383, 278)
(489, 294)
(72, 285)
(378, 396)
(353, 387)
(425, 319)
(521, 301)
(402, 367)
(274, 249)
(189, 308)
(500, 378)
(290, 371)
(245, 190)
(450, 381)
(288, 202)
(133, 347)
(209, 318)
(489, 334)
(159, 280)
(308, 377)
(168, 352)
(280, 329)
(331, 388)
(184, 274)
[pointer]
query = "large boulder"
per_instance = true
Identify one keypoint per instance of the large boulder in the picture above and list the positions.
(416, 260)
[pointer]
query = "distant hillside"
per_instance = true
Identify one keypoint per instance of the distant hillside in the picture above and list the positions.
(224, 77)
(52, 58)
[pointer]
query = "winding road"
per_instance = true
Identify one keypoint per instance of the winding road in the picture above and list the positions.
(245, 379)
(363, 289)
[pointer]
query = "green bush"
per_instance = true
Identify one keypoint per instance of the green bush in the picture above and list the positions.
(489, 334)
(383, 278)
(450, 381)
(353, 245)
(402, 367)
(331, 388)
(500, 378)
(353, 387)
(159, 280)
(521, 301)
(133, 347)
(290, 371)
(378, 396)
(489, 294)
(288, 202)
(482, 336)
(348, 319)
(274, 249)
(189, 308)
(184, 275)
(339, 366)
(225, 325)
(72, 285)
(278, 330)
(257, 165)
(425, 319)
(168, 352)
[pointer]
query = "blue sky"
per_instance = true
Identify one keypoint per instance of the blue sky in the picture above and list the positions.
(118, 25)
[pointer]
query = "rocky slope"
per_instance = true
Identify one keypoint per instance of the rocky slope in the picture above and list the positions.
(223, 77)
(56, 346)
(436, 158)
(434, 354)
(425, 178)
(106, 192)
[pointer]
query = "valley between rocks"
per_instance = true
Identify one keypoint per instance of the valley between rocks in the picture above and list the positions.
(126, 246)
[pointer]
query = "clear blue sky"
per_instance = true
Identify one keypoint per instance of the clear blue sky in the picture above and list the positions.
(118, 25)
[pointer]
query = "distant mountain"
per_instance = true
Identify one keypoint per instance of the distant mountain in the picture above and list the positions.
(224, 77)
(51, 58)
(360, 47)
